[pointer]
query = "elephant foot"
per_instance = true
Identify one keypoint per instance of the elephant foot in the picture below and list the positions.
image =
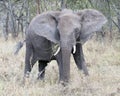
(64, 84)
(86, 73)
(27, 74)
(84, 67)
(79, 66)
(41, 75)
(26, 81)
(40, 78)
(26, 77)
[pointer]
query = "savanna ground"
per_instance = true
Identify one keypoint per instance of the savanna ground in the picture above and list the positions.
(103, 61)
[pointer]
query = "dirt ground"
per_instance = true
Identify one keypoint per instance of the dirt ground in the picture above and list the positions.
(103, 62)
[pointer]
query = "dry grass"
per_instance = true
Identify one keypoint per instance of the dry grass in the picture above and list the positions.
(103, 62)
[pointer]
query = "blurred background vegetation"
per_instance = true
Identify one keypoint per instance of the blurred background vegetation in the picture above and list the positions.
(15, 15)
(102, 58)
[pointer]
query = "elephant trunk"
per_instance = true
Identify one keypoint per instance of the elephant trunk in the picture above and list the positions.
(65, 66)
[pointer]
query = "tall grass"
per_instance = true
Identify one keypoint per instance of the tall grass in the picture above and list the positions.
(103, 62)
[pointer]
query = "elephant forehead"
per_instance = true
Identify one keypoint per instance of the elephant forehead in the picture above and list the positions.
(69, 18)
(68, 22)
(69, 15)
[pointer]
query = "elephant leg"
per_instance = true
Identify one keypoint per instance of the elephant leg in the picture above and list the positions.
(29, 52)
(82, 61)
(33, 60)
(79, 59)
(41, 68)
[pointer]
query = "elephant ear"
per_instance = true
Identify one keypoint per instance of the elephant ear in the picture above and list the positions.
(91, 21)
(45, 25)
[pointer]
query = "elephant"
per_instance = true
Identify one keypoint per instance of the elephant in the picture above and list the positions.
(75, 28)
(67, 29)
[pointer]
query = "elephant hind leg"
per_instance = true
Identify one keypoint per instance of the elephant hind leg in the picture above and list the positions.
(41, 68)
(29, 52)
(33, 60)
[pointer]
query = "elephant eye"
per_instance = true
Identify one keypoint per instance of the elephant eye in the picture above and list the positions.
(77, 31)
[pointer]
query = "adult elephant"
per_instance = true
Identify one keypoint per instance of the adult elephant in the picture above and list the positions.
(65, 29)
(42, 36)
(73, 28)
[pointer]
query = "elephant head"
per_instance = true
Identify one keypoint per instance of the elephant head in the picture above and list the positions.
(65, 28)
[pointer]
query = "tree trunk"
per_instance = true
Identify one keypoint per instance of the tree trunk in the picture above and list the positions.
(12, 19)
(118, 18)
(6, 27)
(38, 6)
(63, 4)
(110, 19)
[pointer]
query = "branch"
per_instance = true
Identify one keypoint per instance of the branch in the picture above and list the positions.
(115, 24)
(91, 3)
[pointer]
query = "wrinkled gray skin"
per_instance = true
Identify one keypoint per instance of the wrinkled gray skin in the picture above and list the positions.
(65, 29)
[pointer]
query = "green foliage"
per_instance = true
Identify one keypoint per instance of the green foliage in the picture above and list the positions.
(78, 4)
(28, 8)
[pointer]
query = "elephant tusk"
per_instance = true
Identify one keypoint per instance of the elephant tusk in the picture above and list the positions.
(57, 51)
(74, 49)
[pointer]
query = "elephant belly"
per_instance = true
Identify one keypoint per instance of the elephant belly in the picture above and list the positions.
(42, 48)
(43, 54)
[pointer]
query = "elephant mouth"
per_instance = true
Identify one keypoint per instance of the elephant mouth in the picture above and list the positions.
(56, 49)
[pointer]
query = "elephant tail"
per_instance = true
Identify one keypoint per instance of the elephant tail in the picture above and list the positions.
(18, 46)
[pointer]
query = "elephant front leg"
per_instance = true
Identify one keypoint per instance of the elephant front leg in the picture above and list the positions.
(41, 68)
(79, 59)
